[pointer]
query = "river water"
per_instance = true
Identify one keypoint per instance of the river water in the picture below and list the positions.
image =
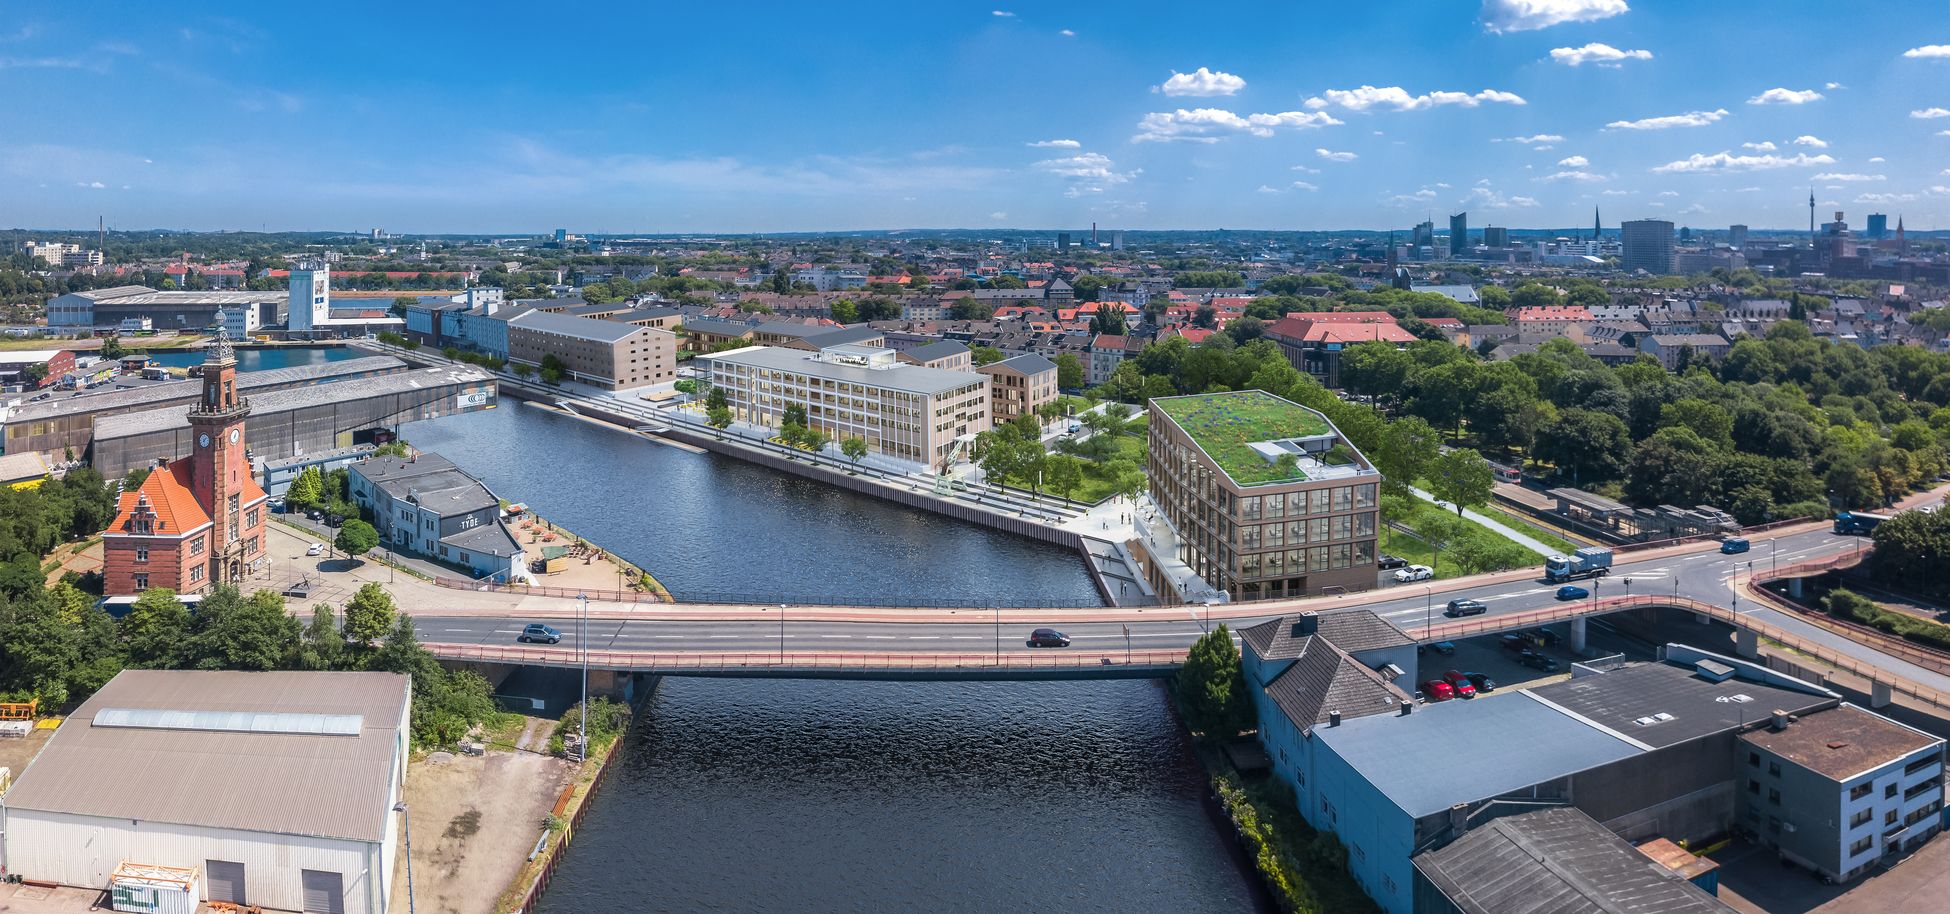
(260, 359)
(791, 796)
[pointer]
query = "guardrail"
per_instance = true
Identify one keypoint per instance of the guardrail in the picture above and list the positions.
(830, 661)
(543, 590)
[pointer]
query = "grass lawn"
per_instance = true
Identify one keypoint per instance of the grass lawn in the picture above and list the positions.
(1224, 424)
(1477, 549)
(1532, 530)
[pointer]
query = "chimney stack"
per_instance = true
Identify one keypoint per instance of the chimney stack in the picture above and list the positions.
(1309, 623)
(1407, 706)
(1333, 718)
(1780, 721)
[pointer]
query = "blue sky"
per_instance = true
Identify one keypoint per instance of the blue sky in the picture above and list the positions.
(781, 117)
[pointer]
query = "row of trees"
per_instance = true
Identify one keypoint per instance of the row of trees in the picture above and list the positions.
(58, 646)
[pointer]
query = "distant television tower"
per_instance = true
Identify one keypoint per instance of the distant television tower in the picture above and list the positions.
(1811, 218)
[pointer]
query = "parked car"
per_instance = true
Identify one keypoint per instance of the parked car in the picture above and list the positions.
(1445, 648)
(1459, 608)
(1734, 545)
(1456, 680)
(1048, 637)
(1388, 562)
(536, 631)
(1437, 690)
(1483, 683)
(1572, 592)
(315, 549)
(1537, 661)
(1414, 573)
(1513, 642)
(1542, 637)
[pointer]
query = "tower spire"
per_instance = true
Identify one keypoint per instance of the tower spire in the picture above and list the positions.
(1597, 225)
(1811, 218)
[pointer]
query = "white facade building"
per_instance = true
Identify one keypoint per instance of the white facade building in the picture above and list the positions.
(279, 787)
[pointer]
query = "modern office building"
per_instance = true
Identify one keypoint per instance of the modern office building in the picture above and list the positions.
(606, 354)
(1496, 236)
(284, 789)
(1459, 234)
(1646, 245)
(1842, 790)
(920, 415)
(425, 505)
(1265, 496)
(1737, 237)
(1878, 226)
(199, 520)
(1019, 386)
(1422, 237)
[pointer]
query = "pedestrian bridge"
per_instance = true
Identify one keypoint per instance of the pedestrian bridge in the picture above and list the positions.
(906, 666)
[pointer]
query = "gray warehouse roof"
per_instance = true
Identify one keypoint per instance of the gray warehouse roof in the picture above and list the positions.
(1497, 739)
(247, 381)
(1630, 700)
(260, 779)
(1557, 861)
(291, 398)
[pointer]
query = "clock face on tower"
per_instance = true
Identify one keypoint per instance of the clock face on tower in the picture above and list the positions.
(203, 441)
(233, 436)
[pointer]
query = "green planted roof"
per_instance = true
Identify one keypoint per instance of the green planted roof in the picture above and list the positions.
(1223, 424)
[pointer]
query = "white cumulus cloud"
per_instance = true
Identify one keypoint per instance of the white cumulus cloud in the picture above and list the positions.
(998, 215)
(1885, 198)
(1067, 33)
(1267, 189)
(1307, 169)
(1812, 142)
(1005, 14)
(1201, 83)
(1303, 185)
(1209, 125)
(1929, 50)
(1726, 161)
(1924, 114)
(1762, 146)
(1689, 119)
(1541, 139)
(1603, 55)
(1526, 15)
(1397, 98)
(1574, 161)
(1575, 175)
(1088, 173)
(1332, 156)
(1841, 176)
(1786, 97)
(1055, 144)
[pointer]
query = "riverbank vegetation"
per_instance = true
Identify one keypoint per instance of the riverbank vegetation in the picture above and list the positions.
(1852, 606)
(1912, 552)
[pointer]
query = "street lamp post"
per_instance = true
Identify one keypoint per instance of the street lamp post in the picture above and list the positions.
(1428, 608)
(582, 716)
(1773, 557)
(407, 820)
(998, 633)
(781, 634)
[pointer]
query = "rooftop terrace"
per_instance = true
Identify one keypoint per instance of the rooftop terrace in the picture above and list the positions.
(1228, 426)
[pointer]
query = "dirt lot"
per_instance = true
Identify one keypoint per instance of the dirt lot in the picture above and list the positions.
(16, 753)
(474, 821)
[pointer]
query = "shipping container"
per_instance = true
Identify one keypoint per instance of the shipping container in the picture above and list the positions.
(147, 888)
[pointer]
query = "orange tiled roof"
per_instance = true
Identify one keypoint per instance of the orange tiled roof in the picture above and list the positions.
(170, 496)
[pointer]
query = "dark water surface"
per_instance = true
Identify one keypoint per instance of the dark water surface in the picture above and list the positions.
(747, 795)
(261, 359)
(791, 796)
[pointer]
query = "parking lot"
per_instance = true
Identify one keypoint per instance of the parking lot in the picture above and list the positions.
(1485, 654)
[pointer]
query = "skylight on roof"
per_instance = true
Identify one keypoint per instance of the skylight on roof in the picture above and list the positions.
(232, 721)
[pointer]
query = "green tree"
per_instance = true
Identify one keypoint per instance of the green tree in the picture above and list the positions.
(986, 355)
(1211, 689)
(155, 630)
(369, 614)
(1069, 371)
(1062, 473)
(845, 311)
(1462, 478)
(112, 348)
(1588, 446)
(719, 417)
(1402, 452)
(307, 490)
(446, 704)
(1912, 550)
(355, 539)
(323, 645)
(232, 632)
(854, 448)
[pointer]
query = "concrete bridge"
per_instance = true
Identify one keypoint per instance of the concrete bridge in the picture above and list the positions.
(907, 666)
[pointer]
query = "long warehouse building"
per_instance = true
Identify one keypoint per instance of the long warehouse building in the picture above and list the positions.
(306, 420)
(68, 422)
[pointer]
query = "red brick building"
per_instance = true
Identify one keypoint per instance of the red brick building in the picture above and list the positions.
(199, 520)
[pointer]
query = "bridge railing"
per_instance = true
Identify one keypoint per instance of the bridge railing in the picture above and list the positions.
(732, 661)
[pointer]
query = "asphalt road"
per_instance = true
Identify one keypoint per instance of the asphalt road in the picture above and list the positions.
(1706, 576)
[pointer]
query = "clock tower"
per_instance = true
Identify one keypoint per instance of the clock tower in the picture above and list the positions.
(217, 465)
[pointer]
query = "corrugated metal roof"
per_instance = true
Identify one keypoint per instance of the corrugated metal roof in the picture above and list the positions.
(281, 783)
(1558, 861)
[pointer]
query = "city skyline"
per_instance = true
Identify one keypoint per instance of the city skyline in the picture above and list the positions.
(1523, 113)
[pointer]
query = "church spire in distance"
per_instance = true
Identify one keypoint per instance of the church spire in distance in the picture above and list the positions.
(1597, 225)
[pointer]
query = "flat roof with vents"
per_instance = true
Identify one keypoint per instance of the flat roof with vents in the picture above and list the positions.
(1843, 743)
(1662, 704)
